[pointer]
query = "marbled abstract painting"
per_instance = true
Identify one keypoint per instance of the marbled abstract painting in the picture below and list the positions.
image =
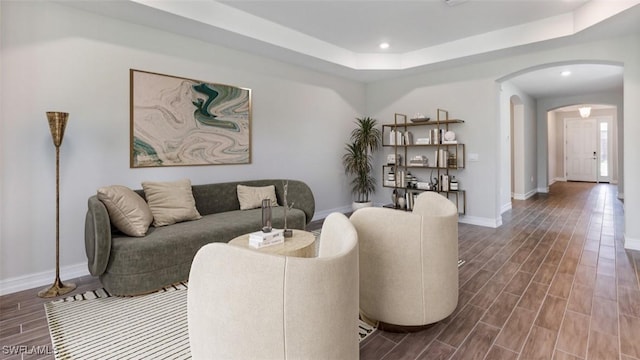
(177, 121)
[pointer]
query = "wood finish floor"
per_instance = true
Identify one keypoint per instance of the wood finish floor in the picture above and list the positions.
(554, 282)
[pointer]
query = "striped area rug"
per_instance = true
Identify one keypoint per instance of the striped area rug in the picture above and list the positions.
(95, 325)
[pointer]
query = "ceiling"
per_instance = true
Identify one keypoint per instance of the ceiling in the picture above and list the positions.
(342, 37)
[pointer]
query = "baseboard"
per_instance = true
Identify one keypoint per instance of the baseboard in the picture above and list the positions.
(480, 221)
(544, 190)
(631, 244)
(30, 281)
(505, 207)
(528, 195)
(319, 215)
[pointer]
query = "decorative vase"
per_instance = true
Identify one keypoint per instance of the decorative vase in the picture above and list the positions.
(402, 202)
(266, 215)
(359, 205)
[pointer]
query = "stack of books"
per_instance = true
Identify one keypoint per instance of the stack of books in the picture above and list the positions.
(261, 239)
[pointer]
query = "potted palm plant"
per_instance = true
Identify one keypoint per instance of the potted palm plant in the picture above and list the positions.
(357, 161)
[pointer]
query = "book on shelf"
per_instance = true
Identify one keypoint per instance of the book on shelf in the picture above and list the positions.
(441, 157)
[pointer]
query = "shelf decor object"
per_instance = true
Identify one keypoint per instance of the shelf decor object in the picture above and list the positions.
(183, 122)
(57, 124)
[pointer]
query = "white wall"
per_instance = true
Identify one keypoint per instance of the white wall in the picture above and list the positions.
(470, 92)
(470, 98)
(614, 98)
(553, 147)
(63, 59)
(525, 161)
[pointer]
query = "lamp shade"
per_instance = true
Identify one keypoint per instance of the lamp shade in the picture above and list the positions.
(57, 124)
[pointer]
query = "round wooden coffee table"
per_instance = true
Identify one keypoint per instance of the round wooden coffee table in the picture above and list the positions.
(301, 244)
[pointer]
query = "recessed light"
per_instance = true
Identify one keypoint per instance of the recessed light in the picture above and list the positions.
(565, 73)
(384, 45)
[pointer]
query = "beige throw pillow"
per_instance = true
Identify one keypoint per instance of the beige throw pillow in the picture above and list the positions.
(170, 202)
(250, 197)
(127, 210)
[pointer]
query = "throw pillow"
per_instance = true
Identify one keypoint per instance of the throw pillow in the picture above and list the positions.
(170, 202)
(250, 197)
(127, 210)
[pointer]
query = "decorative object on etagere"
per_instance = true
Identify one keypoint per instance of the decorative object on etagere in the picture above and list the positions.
(287, 207)
(57, 125)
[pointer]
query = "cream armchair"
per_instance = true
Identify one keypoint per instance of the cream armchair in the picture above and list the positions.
(409, 261)
(243, 304)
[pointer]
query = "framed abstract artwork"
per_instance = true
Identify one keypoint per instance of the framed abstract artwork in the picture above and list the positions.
(183, 122)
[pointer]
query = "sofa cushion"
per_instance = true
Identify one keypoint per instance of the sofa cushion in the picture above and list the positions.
(128, 211)
(170, 202)
(250, 197)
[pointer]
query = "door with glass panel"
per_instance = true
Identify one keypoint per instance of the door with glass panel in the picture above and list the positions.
(588, 149)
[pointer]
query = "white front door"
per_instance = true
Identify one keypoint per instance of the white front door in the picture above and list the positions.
(581, 149)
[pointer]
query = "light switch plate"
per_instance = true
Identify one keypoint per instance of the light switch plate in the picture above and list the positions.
(473, 157)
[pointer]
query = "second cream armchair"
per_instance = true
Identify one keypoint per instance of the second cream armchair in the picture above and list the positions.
(409, 261)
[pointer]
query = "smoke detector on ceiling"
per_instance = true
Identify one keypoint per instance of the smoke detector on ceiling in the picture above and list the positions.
(454, 2)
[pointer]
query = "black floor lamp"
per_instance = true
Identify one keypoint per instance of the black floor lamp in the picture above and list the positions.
(57, 124)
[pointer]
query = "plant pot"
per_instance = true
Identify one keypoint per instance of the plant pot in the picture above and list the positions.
(359, 205)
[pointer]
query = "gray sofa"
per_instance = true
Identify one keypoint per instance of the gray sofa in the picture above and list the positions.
(137, 265)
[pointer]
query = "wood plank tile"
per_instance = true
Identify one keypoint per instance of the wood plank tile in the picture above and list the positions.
(413, 344)
(533, 296)
(519, 283)
(545, 273)
(568, 266)
(574, 334)
(589, 258)
(477, 281)
(606, 267)
(539, 345)
(561, 286)
(607, 252)
(605, 287)
(376, 348)
(437, 351)
(551, 314)
(581, 299)
(487, 295)
(586, 275)
(500, 353)
(506, 272)
(501, 309)
(604, 316)
(602, 346)
(515, 331)
(477, 344)
(458, 329)
(629, 335)
(559, 355)
(629, 301)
